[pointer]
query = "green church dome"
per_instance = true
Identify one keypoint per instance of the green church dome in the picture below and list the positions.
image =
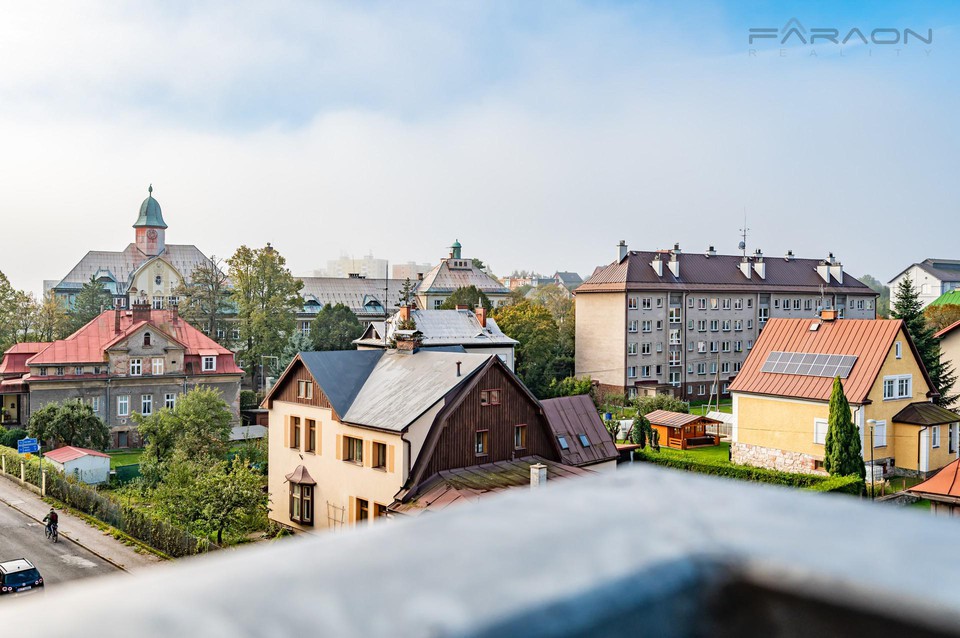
(150, 214)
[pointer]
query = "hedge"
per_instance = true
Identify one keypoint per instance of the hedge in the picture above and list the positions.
(813, 482)
(135, 522)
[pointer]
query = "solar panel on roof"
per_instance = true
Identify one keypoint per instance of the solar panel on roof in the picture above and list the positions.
(809, 364)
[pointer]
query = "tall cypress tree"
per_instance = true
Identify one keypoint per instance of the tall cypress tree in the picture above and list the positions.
(842, 453)
(907, 307)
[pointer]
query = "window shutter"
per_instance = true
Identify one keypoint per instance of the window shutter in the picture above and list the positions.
(352, 504)
(319, 449)
(286, 431)
(367, 454)
(339, 447)
(390, 449)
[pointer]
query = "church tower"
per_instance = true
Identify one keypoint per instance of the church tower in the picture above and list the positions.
(150, 227)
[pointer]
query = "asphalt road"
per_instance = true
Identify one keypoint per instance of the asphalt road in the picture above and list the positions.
(22, 537)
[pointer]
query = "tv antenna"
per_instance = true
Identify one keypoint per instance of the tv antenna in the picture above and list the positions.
(743, 234)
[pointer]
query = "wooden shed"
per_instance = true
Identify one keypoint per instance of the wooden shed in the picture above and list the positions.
(682, 431)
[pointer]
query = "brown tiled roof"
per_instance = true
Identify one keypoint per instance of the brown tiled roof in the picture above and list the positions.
(301, 476)
(946, 483)
(676, 419)
(716, 272)
(469, 484)
(869, 339)
(943, 333)
(925, 413)
(572, 416)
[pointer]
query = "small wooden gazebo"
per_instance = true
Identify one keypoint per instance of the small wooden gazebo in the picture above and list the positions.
(682, 431)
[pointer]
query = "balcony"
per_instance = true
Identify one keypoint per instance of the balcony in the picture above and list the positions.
(643, 551)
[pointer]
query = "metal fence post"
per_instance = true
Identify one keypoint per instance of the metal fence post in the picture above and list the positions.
(23, 473)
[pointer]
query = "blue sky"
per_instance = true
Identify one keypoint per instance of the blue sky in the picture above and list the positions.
(539, 134)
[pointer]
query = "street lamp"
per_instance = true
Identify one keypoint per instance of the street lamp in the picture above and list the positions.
(873, 487)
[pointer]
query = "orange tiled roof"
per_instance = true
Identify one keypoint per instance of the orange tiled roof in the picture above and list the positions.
(869, 339)
(675, 419)
(946, 482)
(947, 330)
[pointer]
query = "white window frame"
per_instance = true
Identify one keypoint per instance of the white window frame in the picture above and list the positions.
(123, 405)
(646, 303)
(934, 436)
(898, 347)
(95, 404)
(646, 326)
(632, 348)
(211, 360)
(632, 303)
(880, 434)
(645, 372)
(896, 383)
(632, 372)
(170, 400)
(645, 348)
(146, 404)
(820, 427)
(632, 325)
(156, 366)
(136, 367)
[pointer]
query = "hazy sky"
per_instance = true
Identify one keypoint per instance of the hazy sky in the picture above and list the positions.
(539, 134)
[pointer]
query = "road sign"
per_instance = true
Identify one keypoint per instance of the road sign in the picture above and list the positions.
(28, 445)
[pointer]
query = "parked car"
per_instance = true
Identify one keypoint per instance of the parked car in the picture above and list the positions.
(18, 576)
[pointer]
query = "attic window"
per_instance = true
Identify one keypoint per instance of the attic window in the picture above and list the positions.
(209, 364)
(490, 397)
(146, 339)
(563, 443)
(584, 441)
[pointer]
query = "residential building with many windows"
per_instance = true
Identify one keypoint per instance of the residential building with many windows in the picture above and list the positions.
(680, 323)
(931, 278)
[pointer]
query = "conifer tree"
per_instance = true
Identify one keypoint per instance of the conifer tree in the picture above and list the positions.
(907, 307)
(842, 453)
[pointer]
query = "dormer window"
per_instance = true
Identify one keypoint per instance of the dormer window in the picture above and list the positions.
(42, 372)
(146, 340)
(209, 364)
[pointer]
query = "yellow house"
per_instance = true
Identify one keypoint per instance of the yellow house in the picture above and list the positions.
(781, 397)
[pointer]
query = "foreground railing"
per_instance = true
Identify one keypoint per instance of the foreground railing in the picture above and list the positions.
(643, 551)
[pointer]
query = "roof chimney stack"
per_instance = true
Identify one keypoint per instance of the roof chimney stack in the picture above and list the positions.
(408, 341)
(759, 265)
(481, 315)
(788, 256)
(538, 475)
(657, 264)
(674, 264)
(459, 363)
(116, 321)
(621, 250)
(711, 252)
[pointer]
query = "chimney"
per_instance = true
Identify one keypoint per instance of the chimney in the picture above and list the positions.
(404, 313)
(463, 307)
(459, 363)
(711, 252)
(419, 276)
(823, 269)
(674, 264)
(788, 256)
(828, 314)
(141, 312)
(481, 315)
(621, 250)
(657, 264)
(759, 265)
(836, 269)
(408, 341)
(538, 475)
(116, 321)
(745, 267)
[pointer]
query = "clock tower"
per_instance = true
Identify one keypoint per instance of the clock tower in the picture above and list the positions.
(150, 227)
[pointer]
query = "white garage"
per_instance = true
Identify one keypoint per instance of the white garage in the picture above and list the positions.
(88, 466)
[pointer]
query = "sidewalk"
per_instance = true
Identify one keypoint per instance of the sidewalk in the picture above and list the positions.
(74, 528)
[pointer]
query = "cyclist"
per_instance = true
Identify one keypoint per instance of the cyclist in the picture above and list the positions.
(51, 519)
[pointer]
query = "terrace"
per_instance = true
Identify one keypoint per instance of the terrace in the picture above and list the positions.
(643, 551)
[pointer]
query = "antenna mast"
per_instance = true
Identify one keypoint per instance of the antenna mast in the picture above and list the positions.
(743, 233)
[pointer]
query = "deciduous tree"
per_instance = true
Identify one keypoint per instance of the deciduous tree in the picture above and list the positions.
(205, 301)
(646, 405)
(52, 320)
(842, 453)
(267, 298)
(227, 493)
(470, 296)
(939, 317)
(539, 338)
(335, 328)
(69, 423)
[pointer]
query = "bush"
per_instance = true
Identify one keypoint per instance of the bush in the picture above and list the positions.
(156, 533)
(646, 405)
(248, 400)
(9, 438)
(814, 482)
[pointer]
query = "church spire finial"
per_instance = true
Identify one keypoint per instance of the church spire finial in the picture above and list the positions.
(150, 190)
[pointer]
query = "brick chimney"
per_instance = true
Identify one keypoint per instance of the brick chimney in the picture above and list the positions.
(141, 312)
(116, 321)
(481, 315)
(404, 313)
(463, 307)
(408, 341)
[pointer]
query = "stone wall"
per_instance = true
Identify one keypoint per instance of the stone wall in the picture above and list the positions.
(774, 459)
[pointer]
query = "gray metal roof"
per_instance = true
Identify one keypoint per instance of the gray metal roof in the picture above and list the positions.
(365, 297)
(444, 280)
(341, 374)
(443, 327)
(123, 264)
(402, 386)
(571, 417)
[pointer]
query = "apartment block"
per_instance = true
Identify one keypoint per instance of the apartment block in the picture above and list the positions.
(683, 323)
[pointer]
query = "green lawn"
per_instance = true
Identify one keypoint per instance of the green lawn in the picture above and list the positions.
(713, 453)
(922, 504)
(725, 406)
(124, 457)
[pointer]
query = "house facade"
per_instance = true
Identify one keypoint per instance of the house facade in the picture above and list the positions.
(684, 323)
(125, 362)
(147, 271)
(453, 272)
(781, 398)
(930, 277)
(471, 329)
(358, 435)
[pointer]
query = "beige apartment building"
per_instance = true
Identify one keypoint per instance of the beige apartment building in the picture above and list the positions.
(683, 323)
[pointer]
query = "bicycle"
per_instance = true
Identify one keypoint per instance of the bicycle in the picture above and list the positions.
(52, 533)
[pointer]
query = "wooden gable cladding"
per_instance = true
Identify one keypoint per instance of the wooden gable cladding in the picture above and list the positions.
(287, 389)
(455, 447)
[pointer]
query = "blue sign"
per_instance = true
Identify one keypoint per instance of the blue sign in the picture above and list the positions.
(25, 446)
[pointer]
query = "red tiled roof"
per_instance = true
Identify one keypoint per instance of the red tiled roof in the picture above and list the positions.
(869, 339)
(31, 347)
(69, 453)
(15, 358)
(675, 419)
(946, 482)
(89, 343)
